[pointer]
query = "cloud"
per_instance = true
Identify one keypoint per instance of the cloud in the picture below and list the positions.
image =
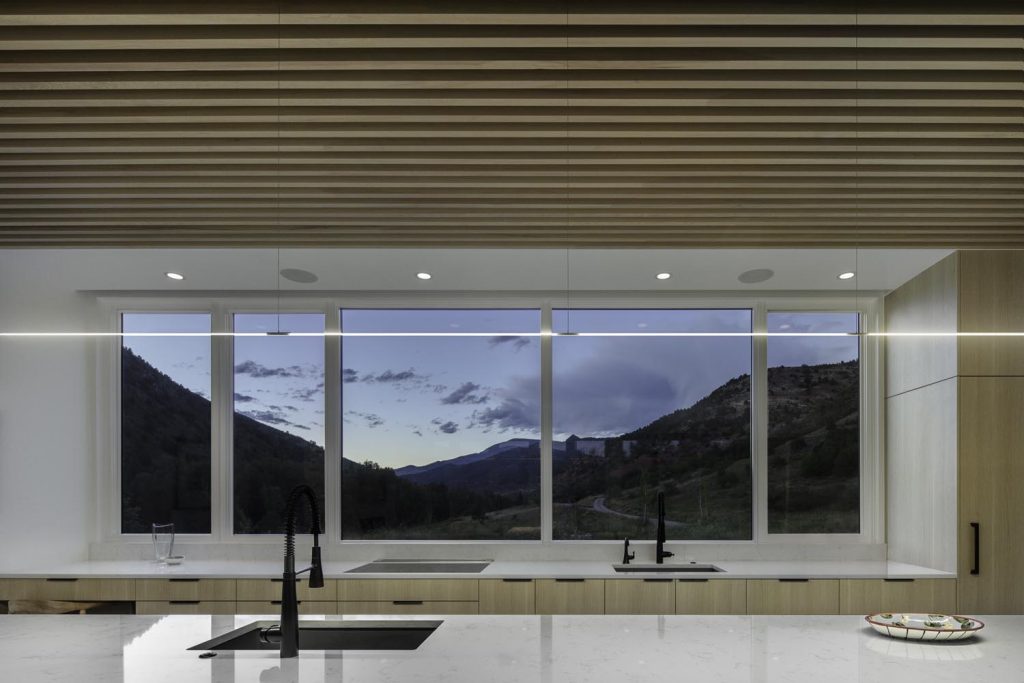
(308, 394)
(242, 398)
(254, 369)
(516, 342)
(511, 413)
(348, 376)
(465, 395)
(391, 377)
(372, 419)
(271, 417)
(448, 427)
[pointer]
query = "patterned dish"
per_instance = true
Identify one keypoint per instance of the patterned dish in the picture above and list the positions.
(924, 626)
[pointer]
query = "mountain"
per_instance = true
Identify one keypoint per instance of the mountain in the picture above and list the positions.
(502, 468)
(489, 452)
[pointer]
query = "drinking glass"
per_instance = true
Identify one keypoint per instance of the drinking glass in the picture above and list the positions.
(163, 541)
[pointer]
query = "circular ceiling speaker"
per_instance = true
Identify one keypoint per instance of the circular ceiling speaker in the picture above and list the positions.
(752, 277)
(298, 275)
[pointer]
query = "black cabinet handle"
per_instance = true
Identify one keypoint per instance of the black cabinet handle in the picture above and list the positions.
(278, 602)
(898, 580)
(62, 580)
(657, 580)
(183, 580)
(793, 580)
(569, 580)
(406, 602)
(518, 580)
(692, 580)
(977, 548)
(183, 602)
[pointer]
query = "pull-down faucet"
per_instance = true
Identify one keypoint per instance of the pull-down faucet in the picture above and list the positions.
(659, 552)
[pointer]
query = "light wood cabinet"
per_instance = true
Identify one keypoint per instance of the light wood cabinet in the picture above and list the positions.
(184, 607)
(991, 432)
(780, 596)
(408, 589)
(184, 589)
(408, 607)
(262, 590)
(866, 596)
(570, 596)
(507, 596)
(711, 596)
(274, 607)
(639, 596)
(5, 587)
(72, 590)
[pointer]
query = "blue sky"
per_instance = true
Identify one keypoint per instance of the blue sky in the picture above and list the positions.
(414, 400)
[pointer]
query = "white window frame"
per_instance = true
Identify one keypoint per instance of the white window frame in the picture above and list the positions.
(223, 308)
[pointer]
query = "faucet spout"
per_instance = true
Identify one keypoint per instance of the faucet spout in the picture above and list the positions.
(289, 598)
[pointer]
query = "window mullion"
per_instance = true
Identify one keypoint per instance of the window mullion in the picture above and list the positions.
(332, 424)
(546, 426)
(759, 422)
(222, 391)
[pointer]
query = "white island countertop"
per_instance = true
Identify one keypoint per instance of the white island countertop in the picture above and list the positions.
(502, 569)
(516, 649)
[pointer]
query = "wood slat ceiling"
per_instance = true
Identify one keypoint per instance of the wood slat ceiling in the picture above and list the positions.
(587, 123)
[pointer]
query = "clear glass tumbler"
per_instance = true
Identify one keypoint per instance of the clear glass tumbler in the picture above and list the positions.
(163, 541)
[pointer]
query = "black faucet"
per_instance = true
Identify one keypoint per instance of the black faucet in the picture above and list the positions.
(660, 553)
(289, 600)
(626, 555)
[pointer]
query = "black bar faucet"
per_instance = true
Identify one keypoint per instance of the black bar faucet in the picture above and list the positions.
(289, 599)
(626, 555)
(660, 552)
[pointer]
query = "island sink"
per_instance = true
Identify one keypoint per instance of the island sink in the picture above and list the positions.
(327, 635)
(667, 568)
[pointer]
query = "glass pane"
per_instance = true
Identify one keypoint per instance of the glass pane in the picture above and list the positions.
(441, 434)
(279, 419)
(813, 425)
(165, 423)
(635, 415)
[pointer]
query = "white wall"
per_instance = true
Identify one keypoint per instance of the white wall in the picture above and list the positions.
(46, 415)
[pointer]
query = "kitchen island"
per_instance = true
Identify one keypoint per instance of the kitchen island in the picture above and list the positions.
(516, 649)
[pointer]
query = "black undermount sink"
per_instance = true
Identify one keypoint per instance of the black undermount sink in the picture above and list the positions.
(421, 567)
(327, 635)
(667, 568)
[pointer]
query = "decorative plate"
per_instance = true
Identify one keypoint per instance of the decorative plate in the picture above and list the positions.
(924, 626)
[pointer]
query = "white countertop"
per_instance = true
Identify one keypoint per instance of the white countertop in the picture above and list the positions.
(516, 649)
(497, 570)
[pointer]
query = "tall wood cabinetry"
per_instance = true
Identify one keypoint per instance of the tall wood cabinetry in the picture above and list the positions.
(955, 422)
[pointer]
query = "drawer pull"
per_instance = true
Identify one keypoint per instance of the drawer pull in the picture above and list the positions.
(406, 602)
(793, 580)
(62, 580)
(184, 602)
(183, 580)
(657, 580)
(569, 580)
(278, 602)
(976, 569)
(518, 580)
(692, 580)
(898, 580)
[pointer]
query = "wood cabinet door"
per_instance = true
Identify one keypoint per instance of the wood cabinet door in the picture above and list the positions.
(867, 596)
(570, 596)
(711, 596)
(507, 596)
(991, 464)
(779, 596)
(639, 596)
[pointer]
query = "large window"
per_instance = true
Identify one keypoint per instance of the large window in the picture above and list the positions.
(641, 414)
(813, 424)
(440, 434)
(165, 422)
(278, 417)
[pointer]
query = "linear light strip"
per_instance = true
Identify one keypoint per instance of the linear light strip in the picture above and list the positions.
(509, 334)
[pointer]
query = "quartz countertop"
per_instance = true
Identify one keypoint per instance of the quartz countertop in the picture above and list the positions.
(515, 649)
(733, 569)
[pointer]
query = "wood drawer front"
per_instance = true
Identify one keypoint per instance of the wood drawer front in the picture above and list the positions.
(774, 596)
(184, 607)
(504, 596)
(374, 590)
(184, 589)
(274, 607)
(561, 596)
(71, 589)
(639, 596)
(265, 590)
(711, 596)
(866, 596)
(5, 588)
(408, 607)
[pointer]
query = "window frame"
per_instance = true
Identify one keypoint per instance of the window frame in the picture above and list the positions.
(223, 308)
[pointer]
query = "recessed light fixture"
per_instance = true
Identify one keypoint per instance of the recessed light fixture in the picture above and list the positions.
(663, 276)
(175, 276)
(298, 275)
(751, 277)
(423, 276)
(846, 276)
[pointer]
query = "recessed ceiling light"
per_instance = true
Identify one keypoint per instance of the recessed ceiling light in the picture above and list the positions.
(175, 276)
(298, 275)
(663, 276)
(751, 277)
(846, 276)
(423, 276)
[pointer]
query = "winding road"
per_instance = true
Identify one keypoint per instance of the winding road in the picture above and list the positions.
(599, 506)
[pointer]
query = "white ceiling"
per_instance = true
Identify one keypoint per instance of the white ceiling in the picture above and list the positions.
(482, 269)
